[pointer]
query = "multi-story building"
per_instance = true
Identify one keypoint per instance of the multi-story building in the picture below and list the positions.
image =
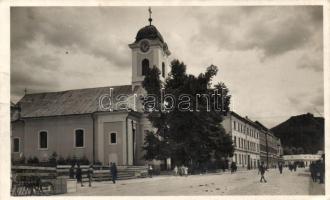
(270, 146)
(245, 136)
(306, 159)
(279, 150)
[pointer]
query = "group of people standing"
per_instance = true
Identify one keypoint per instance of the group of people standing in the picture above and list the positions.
(77, 173)
(292, 167)
(182, 170)
(317, 171)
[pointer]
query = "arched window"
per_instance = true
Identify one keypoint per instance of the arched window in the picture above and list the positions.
(79, 138)
(43, 140)
(145, 66)
(113, 138)
(163, 69)
(16, 147)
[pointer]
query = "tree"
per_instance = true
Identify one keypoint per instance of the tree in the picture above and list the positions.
(185, 111)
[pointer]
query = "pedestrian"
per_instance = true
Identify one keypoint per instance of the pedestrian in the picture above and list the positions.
(71, 171)
(312, 169)
(262, 172)
(232, 167)
(185, 171)
(113, 170)
(90, 175)
(322, 171)
(175, 170)
(79, 175)
(181, 170)
(280, 167)
(150, 170)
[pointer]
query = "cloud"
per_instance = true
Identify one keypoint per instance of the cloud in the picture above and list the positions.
(308, 61)
(68, 31)
(271, 56)
(272, 30)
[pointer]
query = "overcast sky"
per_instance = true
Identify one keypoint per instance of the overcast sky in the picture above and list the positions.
(271, 58)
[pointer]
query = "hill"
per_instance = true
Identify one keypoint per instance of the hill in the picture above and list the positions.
(301, 134)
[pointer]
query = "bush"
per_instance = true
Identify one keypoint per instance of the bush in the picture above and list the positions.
(84, 161)
(53, 159)
(22, 160)
(33, 160)
(19, 161)
(68, 161)
(98, 163)
(62, 161)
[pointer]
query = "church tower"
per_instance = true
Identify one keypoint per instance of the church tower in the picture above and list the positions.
(148, 50)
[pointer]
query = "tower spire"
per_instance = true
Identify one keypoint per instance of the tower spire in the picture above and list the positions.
(150, 19)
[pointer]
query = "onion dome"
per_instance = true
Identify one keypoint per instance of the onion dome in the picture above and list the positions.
(149, 32)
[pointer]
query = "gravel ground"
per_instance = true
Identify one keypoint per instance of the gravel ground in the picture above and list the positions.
(240, 183)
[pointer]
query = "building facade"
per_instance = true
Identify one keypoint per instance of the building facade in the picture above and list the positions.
(245, 136)
(104, 124)
(271, 151)
(307, 159)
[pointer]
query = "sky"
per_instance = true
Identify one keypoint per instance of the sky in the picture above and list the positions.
(270, 57)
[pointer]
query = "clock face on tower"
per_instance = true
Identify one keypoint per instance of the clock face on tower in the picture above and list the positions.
(144, 46)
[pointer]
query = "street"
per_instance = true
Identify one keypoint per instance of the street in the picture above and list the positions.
(240, 183)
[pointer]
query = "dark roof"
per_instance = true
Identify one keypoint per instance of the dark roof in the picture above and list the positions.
(261, 126)
(149, 32)
(245, 119)
(71, 102)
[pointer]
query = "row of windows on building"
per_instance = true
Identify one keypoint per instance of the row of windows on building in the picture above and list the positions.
(245, 129)
(242, 159)
(245, 144)
(146, 65)
(79, 140)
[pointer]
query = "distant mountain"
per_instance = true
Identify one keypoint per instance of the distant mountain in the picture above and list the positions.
(301, 134)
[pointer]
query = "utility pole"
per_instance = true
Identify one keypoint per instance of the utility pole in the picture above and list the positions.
(267, 154)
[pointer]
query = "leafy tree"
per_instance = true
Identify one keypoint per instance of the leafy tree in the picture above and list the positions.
(186, 115)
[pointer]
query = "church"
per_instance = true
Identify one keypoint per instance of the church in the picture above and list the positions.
(73, 124)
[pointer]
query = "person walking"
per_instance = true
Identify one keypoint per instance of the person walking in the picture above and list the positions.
(181, 170)
(71, 172)
(313, 171)
(113, 170)
(79, 175)
(175, 170)
(280, 167)
(233, 166)
(262, 172)
(322, 175)
(185, 171)
(89, 175)
(150, 169)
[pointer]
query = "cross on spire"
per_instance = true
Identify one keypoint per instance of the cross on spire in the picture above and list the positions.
(150, 19)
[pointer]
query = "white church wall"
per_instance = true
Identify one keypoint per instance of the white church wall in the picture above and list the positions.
(60, 136)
